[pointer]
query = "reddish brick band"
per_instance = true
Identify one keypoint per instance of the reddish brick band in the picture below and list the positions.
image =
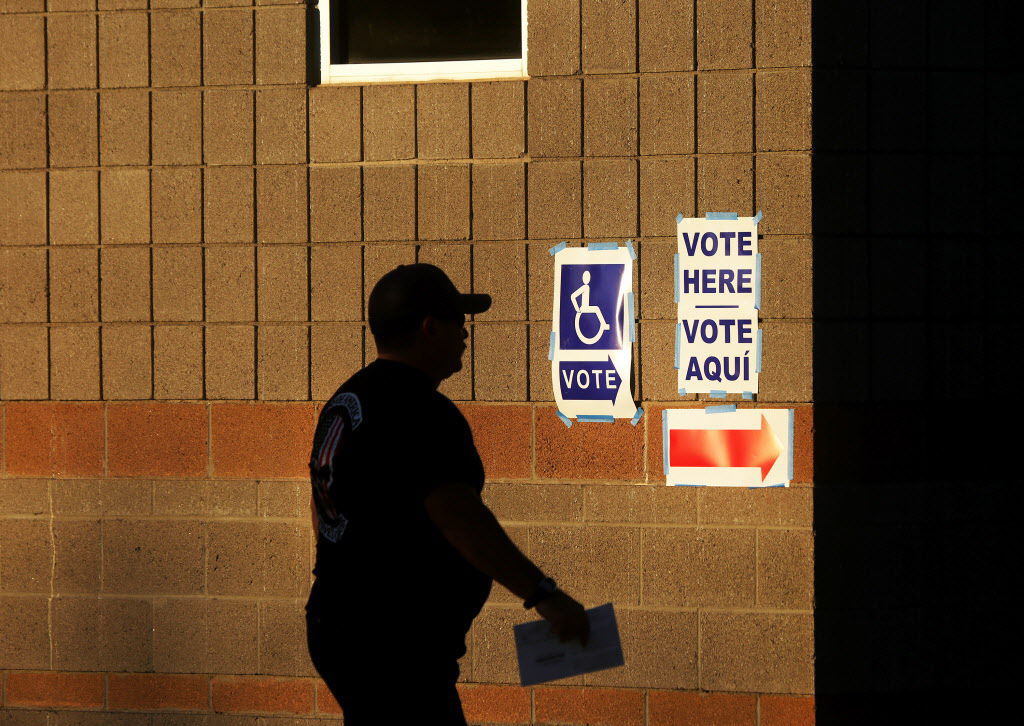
(54, 690)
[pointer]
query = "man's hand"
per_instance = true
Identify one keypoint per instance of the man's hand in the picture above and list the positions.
(567, 617)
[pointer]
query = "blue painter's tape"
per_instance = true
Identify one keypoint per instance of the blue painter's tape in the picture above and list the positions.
(551, 346)
(757, 282)
(717, 394)
(721, 216)
(688, 485)
(632, 250)
(758, 217)
(679, 218)
(772, 486)
(565, 419)
(725, 408)
(679, 335)
(632, 317)
(748, 396)
(675, 265)
(557, 248)
(637, 416)
(682, 391)
(602, 246)
(596, 419)
(757, 364)
(789, 468)
(664, 441)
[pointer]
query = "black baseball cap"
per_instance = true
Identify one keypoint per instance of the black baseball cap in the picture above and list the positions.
(409, 293)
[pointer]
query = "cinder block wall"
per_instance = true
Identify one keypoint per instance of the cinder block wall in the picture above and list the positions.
(188, 234)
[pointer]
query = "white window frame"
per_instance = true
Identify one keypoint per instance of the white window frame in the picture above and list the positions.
(468, 70)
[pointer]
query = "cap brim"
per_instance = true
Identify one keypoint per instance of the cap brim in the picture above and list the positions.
(473, 304)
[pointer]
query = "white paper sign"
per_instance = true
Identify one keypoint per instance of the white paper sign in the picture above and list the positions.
(718, 290)
(542, 657)
(593, 330)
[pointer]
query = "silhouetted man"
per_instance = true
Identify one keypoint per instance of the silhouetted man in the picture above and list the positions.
(406, 549)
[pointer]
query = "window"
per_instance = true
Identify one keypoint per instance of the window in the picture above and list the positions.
(421, 40)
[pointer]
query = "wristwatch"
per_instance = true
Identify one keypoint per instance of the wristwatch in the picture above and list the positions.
(545, 589)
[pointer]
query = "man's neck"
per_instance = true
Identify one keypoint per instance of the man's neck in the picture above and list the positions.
(411, 359)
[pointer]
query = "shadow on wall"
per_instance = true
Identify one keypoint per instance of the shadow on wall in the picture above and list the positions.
(916, 262)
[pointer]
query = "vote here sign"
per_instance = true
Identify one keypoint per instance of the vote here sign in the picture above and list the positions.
(717, 271)
(592, 336)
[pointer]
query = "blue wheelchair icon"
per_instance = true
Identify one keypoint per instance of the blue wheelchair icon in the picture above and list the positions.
(591, 308)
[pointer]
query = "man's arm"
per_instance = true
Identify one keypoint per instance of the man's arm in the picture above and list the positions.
(472, 529)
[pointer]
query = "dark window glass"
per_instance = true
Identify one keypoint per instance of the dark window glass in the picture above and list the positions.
(405, 31)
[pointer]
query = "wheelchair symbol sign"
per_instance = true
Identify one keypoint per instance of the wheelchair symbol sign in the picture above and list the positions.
(592, 307)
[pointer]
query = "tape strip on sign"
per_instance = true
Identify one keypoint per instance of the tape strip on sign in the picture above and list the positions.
(557, 248)
(551, 346)
(679, 337)
(757, 364)
(632, 252)
(595, 419)
(718, 394)
(602, 246)
(726, 408)
(565, 419)
(675, 289)
(679, 217)
(682, 391)
(789, 470)
(757, 282)
(637, 416)
(758, 217)
(664, 440)
(631, 316)
(721, 216)
(748, 396)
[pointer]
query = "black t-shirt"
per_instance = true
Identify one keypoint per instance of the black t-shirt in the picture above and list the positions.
(383, 442)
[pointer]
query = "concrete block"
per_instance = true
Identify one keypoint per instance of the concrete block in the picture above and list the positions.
(228, 127)
(281, 45)
(784, 110)
(784, 193)
(443, 201)
(554, 116)
(442, 120)
(283, 649)
(177, 127)
(735, 646)
(553, 37)
(658, 377)
(174, 48)
(281, 126)
(786, 373)
(502, 435)
(666, 35)
(74, 284)
(76, 562)
(258, 558)
(639, 504)
(499, 270)
(660, 650)
(555, 200)
(283, 362)
(178, 283)
(71, 51)
(55, 439)
(724, 113)
(667, 188)
(73, 208)
(23, 285)
(541, 291)
(99, 634)
(381, 259)
(228, 39)
(657, 279)
(527, 502)
(783, 33)
(282, 431)
(177, 204)
(25, 552)
(127, 361)
(124, 283)
(205, 635)
(336, 282)
(337, 353)
(124, 127)
(494, 653)
(335, 123)
(389, 203)
(499, 362)
(124, 209)
(454, 260)
(124, 49)
(609, 198)
(102, 497)
(168, 562)
(785, 569)
(499, 192)
(699, 567)
(23, 115)
(230, 362)
(23, 220)
(228, 200)
(724, 34)
(786, 273)
(604, 19)
(178, 361)
(667, 105)
(336, 208)
(282, 285)
(72, 123)
(230, 283)
(24, 366)
(725, 184)
(389, 122)
(609, 116)
(25, 496)
(212, 499)
(176, 437)
(601, 452)
(22, 52)
(281, 211)
(499, 125)
(590, 562)
(25, 642)
(75, 363)
(283, 499)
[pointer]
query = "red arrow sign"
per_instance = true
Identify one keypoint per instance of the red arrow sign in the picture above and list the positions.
(724, 447)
